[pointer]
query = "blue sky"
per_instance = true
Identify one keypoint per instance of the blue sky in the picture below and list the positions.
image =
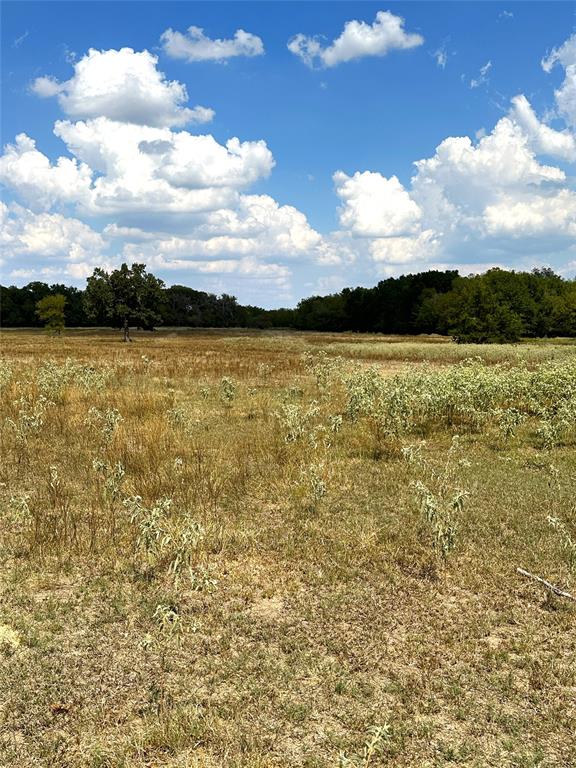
(323, 191)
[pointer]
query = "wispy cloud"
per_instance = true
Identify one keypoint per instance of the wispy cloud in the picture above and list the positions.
(482, 78)
(69, 55)
(441, 56)
(19, 40)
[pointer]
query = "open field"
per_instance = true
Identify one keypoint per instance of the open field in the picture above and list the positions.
(246, 550)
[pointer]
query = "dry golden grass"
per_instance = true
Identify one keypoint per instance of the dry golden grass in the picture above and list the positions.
(312, 606)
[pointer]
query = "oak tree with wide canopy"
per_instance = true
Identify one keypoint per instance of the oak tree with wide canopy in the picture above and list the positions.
(124, 297)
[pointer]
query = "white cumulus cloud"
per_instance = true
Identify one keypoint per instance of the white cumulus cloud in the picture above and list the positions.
(169, 166)
(199, 161)
(544, 140)
(493, 196)
(405, 250)
(566, 94)
(38, 181)
(194, 45)
(357, 40)
(122, 167)
(122, 85)
(47, 86)
(533, 215)
(257, 227)
(60, 246)
(374, 206)
(467, 174)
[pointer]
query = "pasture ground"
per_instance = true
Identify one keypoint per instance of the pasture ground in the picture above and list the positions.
(292, 596)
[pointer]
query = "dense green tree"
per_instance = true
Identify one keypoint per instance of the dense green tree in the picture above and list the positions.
(563, 312)
(21, 304)
(498, 306)
(124, 297)
(322, 313)
(11, 307)
(50, 310)
(185, 306)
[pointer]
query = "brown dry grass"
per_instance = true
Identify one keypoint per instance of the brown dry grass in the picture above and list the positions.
(327, 617)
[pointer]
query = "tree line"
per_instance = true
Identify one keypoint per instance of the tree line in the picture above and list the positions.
(497, 306)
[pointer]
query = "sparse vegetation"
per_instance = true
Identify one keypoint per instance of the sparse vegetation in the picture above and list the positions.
(247, 550)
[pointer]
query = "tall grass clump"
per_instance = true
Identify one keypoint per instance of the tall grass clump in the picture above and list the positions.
(440, 496)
